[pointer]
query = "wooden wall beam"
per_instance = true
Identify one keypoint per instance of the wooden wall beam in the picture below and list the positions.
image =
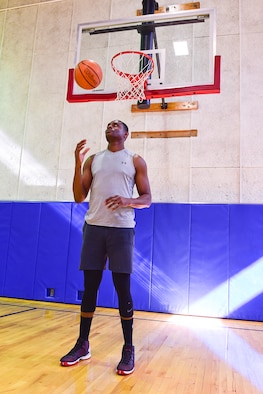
(164, 134)
(174, 7)
(176, 106)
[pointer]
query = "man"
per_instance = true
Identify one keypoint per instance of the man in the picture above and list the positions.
(108, 232)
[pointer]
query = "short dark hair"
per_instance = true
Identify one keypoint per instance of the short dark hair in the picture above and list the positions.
(124, 125)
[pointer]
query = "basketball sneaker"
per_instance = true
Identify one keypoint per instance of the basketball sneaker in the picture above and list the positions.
(80, 351)
(126, 365)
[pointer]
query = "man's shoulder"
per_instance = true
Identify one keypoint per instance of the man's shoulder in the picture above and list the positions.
(129, 152)
(100, 153)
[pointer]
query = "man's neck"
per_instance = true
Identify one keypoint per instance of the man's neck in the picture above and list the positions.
(115, 147)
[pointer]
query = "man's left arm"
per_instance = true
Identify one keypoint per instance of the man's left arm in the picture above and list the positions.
(142, 184)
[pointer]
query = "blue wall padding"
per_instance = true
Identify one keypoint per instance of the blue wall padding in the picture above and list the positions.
(171, 257)
(74, 277)
(22, 250)
(53, 247)
(246, 262)
(5, 228)
(209, 266)
(192, 259)
(142, 267)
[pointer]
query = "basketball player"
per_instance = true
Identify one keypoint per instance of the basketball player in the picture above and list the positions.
(108, 232)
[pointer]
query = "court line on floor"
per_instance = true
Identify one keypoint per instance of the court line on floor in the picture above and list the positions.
(17, 312)
(135, 317)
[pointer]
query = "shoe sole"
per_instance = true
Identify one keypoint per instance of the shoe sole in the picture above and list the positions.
(70, 363)
(121, 372)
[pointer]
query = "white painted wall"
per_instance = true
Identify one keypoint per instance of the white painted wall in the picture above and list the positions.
(39, 128)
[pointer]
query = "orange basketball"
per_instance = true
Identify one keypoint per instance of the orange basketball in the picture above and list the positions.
(88, 74)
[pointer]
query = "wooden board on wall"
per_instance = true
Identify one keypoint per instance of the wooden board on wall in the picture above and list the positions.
(175, 106)
(164, 134)
(174, 7)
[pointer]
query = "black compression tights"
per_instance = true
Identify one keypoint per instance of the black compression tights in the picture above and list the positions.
(92, 280)
(122, 287)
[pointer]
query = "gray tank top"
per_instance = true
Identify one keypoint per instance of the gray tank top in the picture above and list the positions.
(113, 174)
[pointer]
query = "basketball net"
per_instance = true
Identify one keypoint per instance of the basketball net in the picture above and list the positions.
(132, 69)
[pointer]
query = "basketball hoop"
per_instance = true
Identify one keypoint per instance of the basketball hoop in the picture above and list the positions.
(133, 68)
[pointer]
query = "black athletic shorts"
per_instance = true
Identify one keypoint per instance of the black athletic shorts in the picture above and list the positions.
(113, 244)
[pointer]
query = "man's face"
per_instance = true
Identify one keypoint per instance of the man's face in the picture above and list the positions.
(115, 131)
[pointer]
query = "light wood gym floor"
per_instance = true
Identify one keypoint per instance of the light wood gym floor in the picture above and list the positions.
(174, 354)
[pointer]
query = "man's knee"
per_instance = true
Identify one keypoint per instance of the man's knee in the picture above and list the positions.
(126, 310)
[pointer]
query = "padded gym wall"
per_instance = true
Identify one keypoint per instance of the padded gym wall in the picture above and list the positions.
(192, 259)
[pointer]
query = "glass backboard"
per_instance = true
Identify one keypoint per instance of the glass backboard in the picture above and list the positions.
(183, 48)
